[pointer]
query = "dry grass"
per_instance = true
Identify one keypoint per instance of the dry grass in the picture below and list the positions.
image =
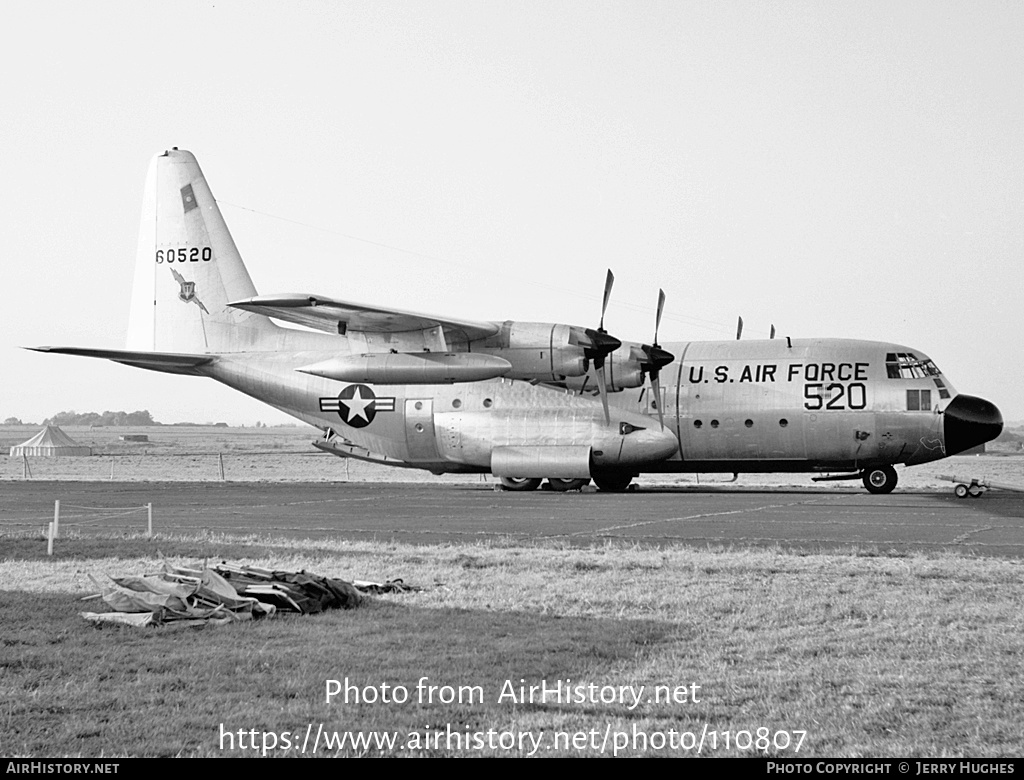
(871, 656)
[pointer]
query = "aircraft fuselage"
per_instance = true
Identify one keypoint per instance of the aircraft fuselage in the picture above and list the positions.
(811, 405)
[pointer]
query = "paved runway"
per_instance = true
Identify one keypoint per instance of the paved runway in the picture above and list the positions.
(807, 520)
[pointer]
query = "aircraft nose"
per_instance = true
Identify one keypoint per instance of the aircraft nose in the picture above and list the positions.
(970, 421)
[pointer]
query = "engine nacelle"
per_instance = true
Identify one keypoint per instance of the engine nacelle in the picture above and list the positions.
(543, 351)
(623, 368)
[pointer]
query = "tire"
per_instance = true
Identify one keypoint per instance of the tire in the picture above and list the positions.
(974, 492)
(565, 485)
(960, 491)
(613, 481)
(519, 485)
(880, 479)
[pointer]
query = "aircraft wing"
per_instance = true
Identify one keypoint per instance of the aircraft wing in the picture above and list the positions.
(334, 316)
(167, 362)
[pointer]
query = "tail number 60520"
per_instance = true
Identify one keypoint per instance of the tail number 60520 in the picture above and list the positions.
(184, 254)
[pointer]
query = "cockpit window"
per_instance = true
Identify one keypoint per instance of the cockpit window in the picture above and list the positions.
(907, 365)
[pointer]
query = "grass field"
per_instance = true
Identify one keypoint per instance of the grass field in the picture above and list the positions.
(849, 655)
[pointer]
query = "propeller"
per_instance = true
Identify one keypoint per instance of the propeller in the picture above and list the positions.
(739, 328)
(598, 344)
(655, 358)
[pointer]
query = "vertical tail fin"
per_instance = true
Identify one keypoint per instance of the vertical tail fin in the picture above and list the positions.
(188, 268)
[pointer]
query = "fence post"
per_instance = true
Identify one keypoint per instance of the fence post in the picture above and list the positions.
(111, 469)
(56, 518)
(149, 522)
(220, 459)
(49, 541)
(25, 472)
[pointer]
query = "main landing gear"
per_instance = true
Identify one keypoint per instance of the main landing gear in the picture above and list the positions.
(608, 482)
(519, 485)
(612, 481)
(879, 479)
(558, 485)
(567, 485)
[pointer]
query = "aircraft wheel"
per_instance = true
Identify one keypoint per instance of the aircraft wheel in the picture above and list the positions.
(519, 485)
(974, 492)
(612, 481)
(960, 491)
(565, 485)
(881, 479)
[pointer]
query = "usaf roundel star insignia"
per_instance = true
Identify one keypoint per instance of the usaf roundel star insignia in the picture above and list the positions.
(356, 405)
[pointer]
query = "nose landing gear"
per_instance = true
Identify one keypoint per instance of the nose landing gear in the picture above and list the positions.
(879, 479)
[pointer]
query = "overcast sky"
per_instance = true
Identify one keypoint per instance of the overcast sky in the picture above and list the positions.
(850, 169)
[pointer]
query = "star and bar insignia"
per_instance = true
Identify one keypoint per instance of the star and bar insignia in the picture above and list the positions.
(357, 405)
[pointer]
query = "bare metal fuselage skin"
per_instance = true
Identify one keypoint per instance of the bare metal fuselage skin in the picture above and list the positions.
(732, 406)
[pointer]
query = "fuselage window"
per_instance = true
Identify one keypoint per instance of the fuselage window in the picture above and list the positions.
(697, 424)
(783, 422)
(714, 423)
(919, 400)
(749, 423)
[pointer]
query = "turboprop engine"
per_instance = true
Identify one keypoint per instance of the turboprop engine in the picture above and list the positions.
(629, 366)
(542, 351)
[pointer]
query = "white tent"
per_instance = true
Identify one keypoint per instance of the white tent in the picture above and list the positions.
(50, 441)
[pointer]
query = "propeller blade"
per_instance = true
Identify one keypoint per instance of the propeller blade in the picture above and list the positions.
(772, 334)
(656, 389)
(739, 328)
(657, 319)
(608, 282)
(602, 388)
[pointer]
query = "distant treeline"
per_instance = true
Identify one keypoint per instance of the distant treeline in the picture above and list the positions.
(107, 418)
(1010, 437)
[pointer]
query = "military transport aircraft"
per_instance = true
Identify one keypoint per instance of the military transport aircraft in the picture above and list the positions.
(525, 401)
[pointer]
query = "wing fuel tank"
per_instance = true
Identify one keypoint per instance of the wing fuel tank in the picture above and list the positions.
(405, 368)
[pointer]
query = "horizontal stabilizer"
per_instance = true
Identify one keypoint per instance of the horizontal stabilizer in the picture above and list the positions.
(333, 316)
(167, 362)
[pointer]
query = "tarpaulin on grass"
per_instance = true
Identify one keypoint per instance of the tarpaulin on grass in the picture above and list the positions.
(225, 593)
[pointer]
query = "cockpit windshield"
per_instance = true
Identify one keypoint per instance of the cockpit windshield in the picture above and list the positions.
(907, 365)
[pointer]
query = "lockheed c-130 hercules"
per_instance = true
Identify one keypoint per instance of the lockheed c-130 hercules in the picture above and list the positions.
(524, 401)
